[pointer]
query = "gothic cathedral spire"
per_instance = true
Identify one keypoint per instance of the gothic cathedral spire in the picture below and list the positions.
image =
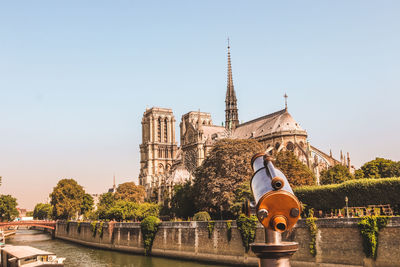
(231, 111)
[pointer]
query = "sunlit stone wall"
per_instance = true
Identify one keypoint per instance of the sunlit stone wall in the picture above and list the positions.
(338, 242)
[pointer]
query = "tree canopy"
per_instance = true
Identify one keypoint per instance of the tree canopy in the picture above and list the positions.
(66, 199)
(130, 192)
(8, 208)
(225, 169)
(42, 211)
(379, 168)
(295, 171)
(87, 204)
(335, 175)
(122, 210)
(182, 201)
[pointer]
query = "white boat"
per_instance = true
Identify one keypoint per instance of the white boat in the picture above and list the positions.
(14, 256)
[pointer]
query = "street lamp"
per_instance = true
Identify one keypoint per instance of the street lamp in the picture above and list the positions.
(347, 206)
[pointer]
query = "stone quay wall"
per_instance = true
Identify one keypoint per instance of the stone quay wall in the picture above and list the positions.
(338, 243)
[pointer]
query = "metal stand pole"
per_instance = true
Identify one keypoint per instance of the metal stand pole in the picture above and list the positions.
(274, 253)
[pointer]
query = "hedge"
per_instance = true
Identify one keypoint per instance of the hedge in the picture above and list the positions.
(361, 193)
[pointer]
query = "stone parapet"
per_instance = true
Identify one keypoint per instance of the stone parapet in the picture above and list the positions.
(339, 242)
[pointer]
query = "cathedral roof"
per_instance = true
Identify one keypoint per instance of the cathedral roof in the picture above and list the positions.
(179, 176)
(280, 121)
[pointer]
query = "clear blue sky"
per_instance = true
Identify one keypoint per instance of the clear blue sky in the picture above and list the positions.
(76, 77)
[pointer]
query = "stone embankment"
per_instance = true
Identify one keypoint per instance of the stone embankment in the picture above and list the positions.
(338, 242)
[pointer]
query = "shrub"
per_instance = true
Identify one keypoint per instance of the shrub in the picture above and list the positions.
(247, 227)
(369, 228)
(202, 216)
(362, 192)
(149, 227)
(210, 227)
(312, 227)
(94, 228)
(229, 230)
(100, 229)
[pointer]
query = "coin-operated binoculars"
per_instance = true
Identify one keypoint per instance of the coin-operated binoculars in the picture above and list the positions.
(277, 209)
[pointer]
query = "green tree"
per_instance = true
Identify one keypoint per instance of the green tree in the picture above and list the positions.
(377, 168)
(295, 171)
(66, 199)
(87, 204)
(242, 195)
(359, 174)
(393, 170)
(224, 170)
(182, 201)
(42, 211)
(130, 192)
(29, 213)
(335, 175)
(8, 208)
(106, 202)
(147, 209)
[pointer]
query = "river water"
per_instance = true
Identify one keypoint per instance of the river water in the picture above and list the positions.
(80, 256)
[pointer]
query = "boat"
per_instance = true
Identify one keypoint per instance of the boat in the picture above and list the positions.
(26, 256)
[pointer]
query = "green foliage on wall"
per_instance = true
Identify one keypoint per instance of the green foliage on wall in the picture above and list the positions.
(201, 216)
(149, 227)
(210, 227)
(94, 228)
(229, 230)
(247, 227)
(312, 227)
(67, 227)
(100, 229)
(360, 193)
(369, 228)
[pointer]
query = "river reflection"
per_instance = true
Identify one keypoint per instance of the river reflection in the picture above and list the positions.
(77, 255)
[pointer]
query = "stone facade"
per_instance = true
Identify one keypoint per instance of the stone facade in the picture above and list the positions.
(338, 243)
(276, 131)
(158, 149)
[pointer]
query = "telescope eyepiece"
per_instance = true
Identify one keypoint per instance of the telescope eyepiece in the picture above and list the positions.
(279, 223)
(277, 183)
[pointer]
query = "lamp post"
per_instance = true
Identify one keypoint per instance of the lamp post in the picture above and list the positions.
(347, 206)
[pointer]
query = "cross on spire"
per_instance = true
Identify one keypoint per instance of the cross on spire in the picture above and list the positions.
(285, 96)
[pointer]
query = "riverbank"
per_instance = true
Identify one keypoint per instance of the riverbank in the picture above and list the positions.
(338, 242)
(83, 256)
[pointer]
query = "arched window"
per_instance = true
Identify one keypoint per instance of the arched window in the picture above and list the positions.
(290, 146)
(159, 129)
(277, 145)
(165, 130)
(166, 153)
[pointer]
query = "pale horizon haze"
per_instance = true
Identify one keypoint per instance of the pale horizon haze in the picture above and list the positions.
(76, 77)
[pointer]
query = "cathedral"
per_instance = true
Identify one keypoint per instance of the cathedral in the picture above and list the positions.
(164, 164)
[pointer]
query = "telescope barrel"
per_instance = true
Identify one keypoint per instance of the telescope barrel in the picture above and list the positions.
(277, 207)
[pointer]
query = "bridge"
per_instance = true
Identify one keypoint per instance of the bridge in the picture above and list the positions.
(44, 224)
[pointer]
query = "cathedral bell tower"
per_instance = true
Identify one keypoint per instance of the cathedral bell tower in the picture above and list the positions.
(231, 110)
(158, 148)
